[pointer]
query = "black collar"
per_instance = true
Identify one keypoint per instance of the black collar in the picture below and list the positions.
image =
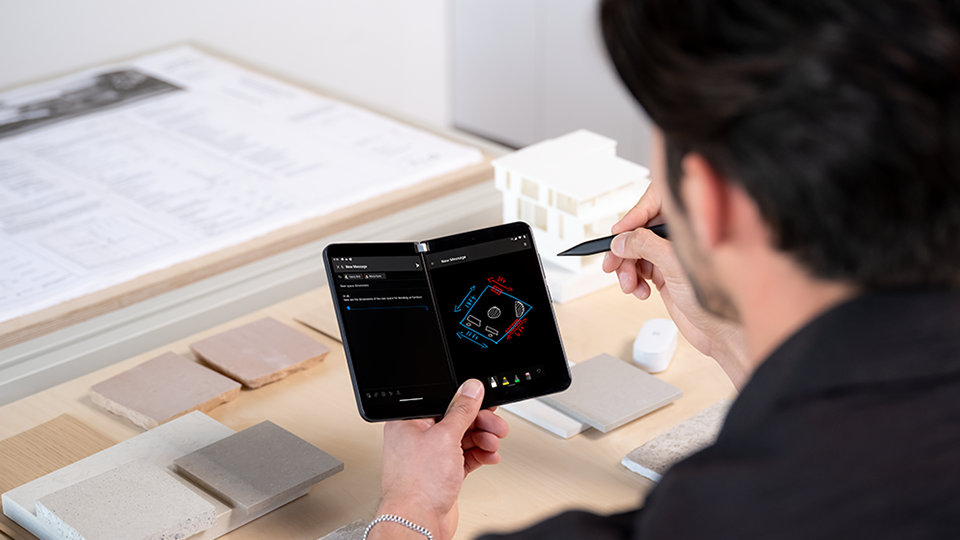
(877, 338)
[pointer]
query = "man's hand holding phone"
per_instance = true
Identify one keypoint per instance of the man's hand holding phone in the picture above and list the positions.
(425, 462)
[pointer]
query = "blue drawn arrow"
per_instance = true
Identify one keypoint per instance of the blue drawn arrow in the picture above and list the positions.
(461, 335)
(460, 306)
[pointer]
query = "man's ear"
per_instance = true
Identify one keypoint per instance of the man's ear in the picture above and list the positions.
(706, 199)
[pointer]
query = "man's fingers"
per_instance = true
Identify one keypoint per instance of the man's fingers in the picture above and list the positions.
(645, 269)
(643, 290)
(647, 208)
(463, 409)
(611, 262)
(485, 441)
(627, 275)
(490, 422)
(476, 458)
(643, 244)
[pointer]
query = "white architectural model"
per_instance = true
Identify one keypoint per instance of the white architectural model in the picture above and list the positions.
(569, 189)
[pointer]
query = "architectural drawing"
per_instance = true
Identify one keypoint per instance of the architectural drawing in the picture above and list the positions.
(483, 322)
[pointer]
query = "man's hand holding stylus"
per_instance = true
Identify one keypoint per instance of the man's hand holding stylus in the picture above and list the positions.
(640, 257)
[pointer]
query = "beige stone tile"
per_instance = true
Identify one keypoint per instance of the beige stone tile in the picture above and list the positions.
(260, 352)
(163, 388)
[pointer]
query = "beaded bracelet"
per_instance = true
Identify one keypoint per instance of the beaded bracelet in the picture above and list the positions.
(399, 520)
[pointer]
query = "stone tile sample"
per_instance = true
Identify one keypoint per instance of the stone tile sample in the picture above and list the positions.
(163, 388)
(135, 501)
(654, 457)
(41, 450)
(322, 317)
(350, 531)
(260, 352)
(260, 468)
(607, 392)
(45, 448)
(546, 417)
(159, 446)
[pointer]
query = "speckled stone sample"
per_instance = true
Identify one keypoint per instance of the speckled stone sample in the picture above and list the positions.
(136, 501)
(260, 352)
(350, 531)
(162, 389)
(261, 467)
(159, 446)
(654, 457)
(607, 392)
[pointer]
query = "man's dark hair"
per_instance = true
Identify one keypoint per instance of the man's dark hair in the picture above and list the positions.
(840, 118)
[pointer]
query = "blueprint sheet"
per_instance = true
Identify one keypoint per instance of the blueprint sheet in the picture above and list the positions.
(119, 171)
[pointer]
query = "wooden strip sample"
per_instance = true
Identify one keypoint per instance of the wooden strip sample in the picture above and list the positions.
(163, 388)
(10, 529)
(260, 352)
(45, 448)
(41, 450)
(260, 468)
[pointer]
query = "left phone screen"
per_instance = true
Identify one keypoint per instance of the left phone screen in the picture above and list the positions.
(384, 303)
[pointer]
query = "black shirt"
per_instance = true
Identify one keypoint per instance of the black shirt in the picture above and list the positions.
(850, 429)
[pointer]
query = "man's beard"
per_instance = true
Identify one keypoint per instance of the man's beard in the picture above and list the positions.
(711, 297)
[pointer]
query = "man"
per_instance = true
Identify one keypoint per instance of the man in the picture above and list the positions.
(812, 189)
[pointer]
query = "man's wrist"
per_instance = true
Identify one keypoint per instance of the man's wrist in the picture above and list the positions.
(730, 352)
(407, 508)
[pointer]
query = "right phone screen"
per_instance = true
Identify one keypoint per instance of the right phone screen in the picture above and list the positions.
(496, 316)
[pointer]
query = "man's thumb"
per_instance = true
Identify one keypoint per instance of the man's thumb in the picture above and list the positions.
(464, 407)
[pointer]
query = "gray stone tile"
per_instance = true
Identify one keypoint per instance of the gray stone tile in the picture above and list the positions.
(607, 392)
(261, 467)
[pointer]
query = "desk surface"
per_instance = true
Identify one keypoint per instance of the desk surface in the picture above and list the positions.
(539, 475)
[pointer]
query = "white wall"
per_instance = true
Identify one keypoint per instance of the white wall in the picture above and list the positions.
(391, 54)
(528, 70)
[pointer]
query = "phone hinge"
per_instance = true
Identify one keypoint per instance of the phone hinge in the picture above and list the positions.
(422, 247)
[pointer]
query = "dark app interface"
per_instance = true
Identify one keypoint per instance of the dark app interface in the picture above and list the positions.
(495, 314)
(392, 331)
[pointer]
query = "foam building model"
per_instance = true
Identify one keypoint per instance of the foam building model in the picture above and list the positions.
(569, 189)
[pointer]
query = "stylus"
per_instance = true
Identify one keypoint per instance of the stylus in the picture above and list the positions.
(599, 245)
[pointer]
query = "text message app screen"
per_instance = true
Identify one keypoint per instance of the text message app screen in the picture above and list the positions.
(389, 316)
(495, 312)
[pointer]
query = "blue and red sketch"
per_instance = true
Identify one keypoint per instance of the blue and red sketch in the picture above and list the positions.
(493, 315)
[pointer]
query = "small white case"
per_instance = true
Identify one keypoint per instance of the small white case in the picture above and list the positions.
(655, 344)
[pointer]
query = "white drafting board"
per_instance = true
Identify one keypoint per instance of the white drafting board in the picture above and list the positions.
(123, 170)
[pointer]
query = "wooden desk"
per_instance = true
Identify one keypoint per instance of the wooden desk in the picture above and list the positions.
(540, 474)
